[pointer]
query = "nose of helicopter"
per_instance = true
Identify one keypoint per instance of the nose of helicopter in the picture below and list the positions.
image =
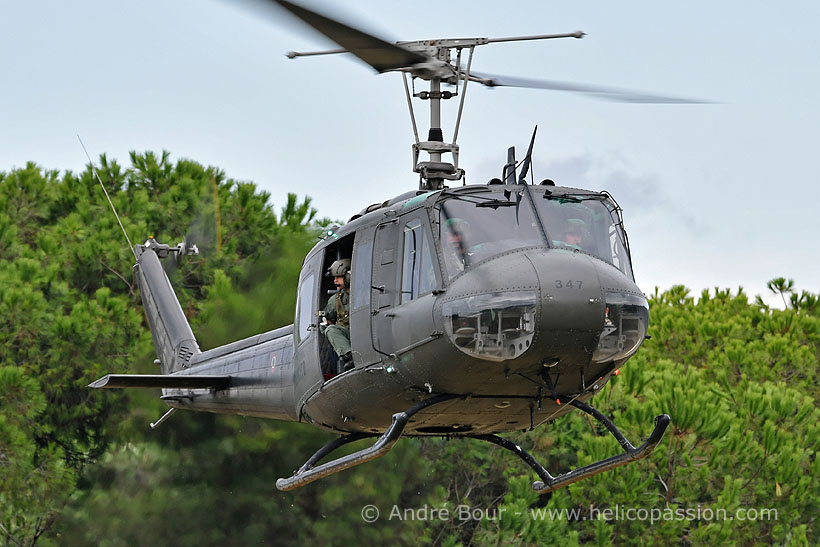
(572, 304)
(561, 304)
(590, 311)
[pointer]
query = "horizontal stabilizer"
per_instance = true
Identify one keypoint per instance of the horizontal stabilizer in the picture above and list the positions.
(162, 380)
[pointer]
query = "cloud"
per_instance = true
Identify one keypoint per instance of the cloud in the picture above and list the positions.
(641, 194)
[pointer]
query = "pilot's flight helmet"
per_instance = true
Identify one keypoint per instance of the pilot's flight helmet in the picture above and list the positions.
(575, 225)
(458, 227)
(341, 268)
(456, 223)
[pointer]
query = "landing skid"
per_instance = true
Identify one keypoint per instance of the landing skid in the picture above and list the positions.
(548, 483)
(308, 473)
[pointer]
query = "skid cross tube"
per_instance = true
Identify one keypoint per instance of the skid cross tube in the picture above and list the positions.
(518, 451)
(548, 483)
(308, 473)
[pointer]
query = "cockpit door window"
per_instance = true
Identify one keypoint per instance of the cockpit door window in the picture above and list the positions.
(360, 275)
(418, 274)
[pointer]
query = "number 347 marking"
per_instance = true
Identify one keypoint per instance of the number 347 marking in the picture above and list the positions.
(559, 284)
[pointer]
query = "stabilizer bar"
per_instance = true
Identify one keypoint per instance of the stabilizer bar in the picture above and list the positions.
(308, 473)
(165, 381)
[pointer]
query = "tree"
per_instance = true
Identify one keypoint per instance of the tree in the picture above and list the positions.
(35, 480)
(781, 286)
(69, 311)
(738, 378)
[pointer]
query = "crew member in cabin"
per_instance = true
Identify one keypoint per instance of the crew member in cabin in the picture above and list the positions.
(337, 313)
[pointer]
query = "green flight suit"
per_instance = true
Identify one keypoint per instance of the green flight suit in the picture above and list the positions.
(337, 311)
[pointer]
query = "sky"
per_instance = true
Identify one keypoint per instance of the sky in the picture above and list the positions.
(714, 195)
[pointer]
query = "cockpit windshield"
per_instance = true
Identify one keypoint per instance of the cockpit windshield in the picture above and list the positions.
(476, 226)
(586, 222)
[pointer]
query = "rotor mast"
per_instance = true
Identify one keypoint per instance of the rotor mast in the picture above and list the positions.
(440, 69)
(435, 171)
(431, 60)
(425, 59)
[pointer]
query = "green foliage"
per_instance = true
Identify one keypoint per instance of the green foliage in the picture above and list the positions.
(740, 383)
(739, 379)
(35, 480)
(781, 286)
(69, 313)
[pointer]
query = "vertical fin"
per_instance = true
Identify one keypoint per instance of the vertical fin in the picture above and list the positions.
(174, 340)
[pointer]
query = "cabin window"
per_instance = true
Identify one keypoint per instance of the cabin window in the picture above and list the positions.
(360, 275)
(305, 307)
(418, 275)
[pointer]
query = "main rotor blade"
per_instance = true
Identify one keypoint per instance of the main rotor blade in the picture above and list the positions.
(600, 92)
(381, 55)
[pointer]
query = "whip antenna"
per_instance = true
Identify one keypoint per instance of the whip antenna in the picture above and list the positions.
(94, 170)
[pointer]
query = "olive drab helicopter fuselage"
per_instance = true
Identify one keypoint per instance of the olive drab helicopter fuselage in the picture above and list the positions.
(490, 330)
(474, 310)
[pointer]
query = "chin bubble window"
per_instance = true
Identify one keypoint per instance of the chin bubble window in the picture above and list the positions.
(495, 327)
(625, 326)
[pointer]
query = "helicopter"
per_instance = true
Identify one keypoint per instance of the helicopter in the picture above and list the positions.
(473, 310)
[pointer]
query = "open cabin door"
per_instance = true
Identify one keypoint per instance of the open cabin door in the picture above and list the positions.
(385, 285)
(337, 249)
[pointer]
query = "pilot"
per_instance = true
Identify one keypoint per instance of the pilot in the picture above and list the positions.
(337, 313)
(574, 234)
(455, 240)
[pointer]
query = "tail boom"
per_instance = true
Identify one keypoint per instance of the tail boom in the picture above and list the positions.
(252, 377)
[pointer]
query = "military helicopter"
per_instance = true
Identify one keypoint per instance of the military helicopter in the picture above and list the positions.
(474, 310)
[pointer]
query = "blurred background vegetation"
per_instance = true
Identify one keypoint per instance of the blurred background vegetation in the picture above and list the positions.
(77, 467)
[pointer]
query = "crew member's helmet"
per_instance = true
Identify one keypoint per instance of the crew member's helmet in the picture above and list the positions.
(341, 268)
